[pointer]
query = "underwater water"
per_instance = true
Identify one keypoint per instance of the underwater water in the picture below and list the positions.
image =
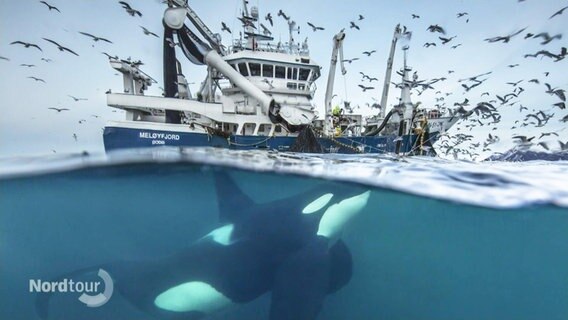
(436, 239)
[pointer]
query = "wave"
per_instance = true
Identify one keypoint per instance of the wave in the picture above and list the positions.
(491, 184)
(516, 155)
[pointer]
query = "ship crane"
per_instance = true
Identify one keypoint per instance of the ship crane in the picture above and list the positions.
(337, 50)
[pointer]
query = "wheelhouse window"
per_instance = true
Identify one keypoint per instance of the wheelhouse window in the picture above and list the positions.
(254, 69)
(304, 74)
(295, 73)
(268, 70)
(243, 69)
(292, 85)
(280, 72)
(289, 74)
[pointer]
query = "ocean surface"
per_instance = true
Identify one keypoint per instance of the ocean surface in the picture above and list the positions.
(437, 239)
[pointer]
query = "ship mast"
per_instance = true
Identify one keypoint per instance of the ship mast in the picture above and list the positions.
(384, 98)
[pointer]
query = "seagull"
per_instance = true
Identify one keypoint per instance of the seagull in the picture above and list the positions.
(557, 13)
(95, 38)
(27, 45)
(446, 40)
(60, 47)
(75, 137)
(4, 58)
(456, 46)
(561, 105)
(365, 88)
(129, 9)
(109, 56)
(148, 32)
(268, 18)
(37, 79)
(461, 14)
(369, 53)
(361, 17)
(269, 83)
(314, 28)
(283, 15)
(349, 60)
(415, 16)
(353, 25)
(560, 93)
(436, 28)
(265, 30)
(429, 44)
(46, 60)
(27, 65)
(59, 109)
(547, 38)
(50, 7)
(224, 27)
(506, 38)
(76, 99)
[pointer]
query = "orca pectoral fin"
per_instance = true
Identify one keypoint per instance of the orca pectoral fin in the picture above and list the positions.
(301, 283)
(233, 202)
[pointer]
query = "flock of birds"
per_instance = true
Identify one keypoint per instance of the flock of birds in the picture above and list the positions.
(485, 113)
(64, 49)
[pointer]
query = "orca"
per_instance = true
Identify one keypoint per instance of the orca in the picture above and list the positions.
(291, 248)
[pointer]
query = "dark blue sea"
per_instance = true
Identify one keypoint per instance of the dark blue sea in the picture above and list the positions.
(437, 239)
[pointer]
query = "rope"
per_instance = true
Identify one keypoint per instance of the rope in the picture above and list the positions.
(248, 145)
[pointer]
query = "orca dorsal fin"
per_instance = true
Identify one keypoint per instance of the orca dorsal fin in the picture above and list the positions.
(233, 202)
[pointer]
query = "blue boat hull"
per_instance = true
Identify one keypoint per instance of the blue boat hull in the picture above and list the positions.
(125, 138)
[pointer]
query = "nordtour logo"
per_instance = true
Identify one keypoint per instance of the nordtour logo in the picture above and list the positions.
(90, 290)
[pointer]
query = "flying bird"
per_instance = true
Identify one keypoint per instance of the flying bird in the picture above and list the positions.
(361, 17)
(59, 109)
(27, 65)
(224, 27)
(27, 45)
(506, 38)
(436, 28)
(60, 47)
(4, 58)
(148, 32)
(131, 11)
(268, 18)
(369, 53)
(461, 14)
(50, 7)
(353, 25)
(37, 79)
(365, 88)
(109, 56)
(46, 60)
(349, 60)
(77, 99)
(559, 12)
(415, 16)
(429, 44)
(547, 38)
(446, 40)
(283, 15)
(95, 38)
(315, 28)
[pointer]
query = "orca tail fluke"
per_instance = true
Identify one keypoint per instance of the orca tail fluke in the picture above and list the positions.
(43, 298)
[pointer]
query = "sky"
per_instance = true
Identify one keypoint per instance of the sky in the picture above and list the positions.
(28, 127)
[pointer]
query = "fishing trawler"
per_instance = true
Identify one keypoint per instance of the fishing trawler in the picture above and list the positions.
(257, 95)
